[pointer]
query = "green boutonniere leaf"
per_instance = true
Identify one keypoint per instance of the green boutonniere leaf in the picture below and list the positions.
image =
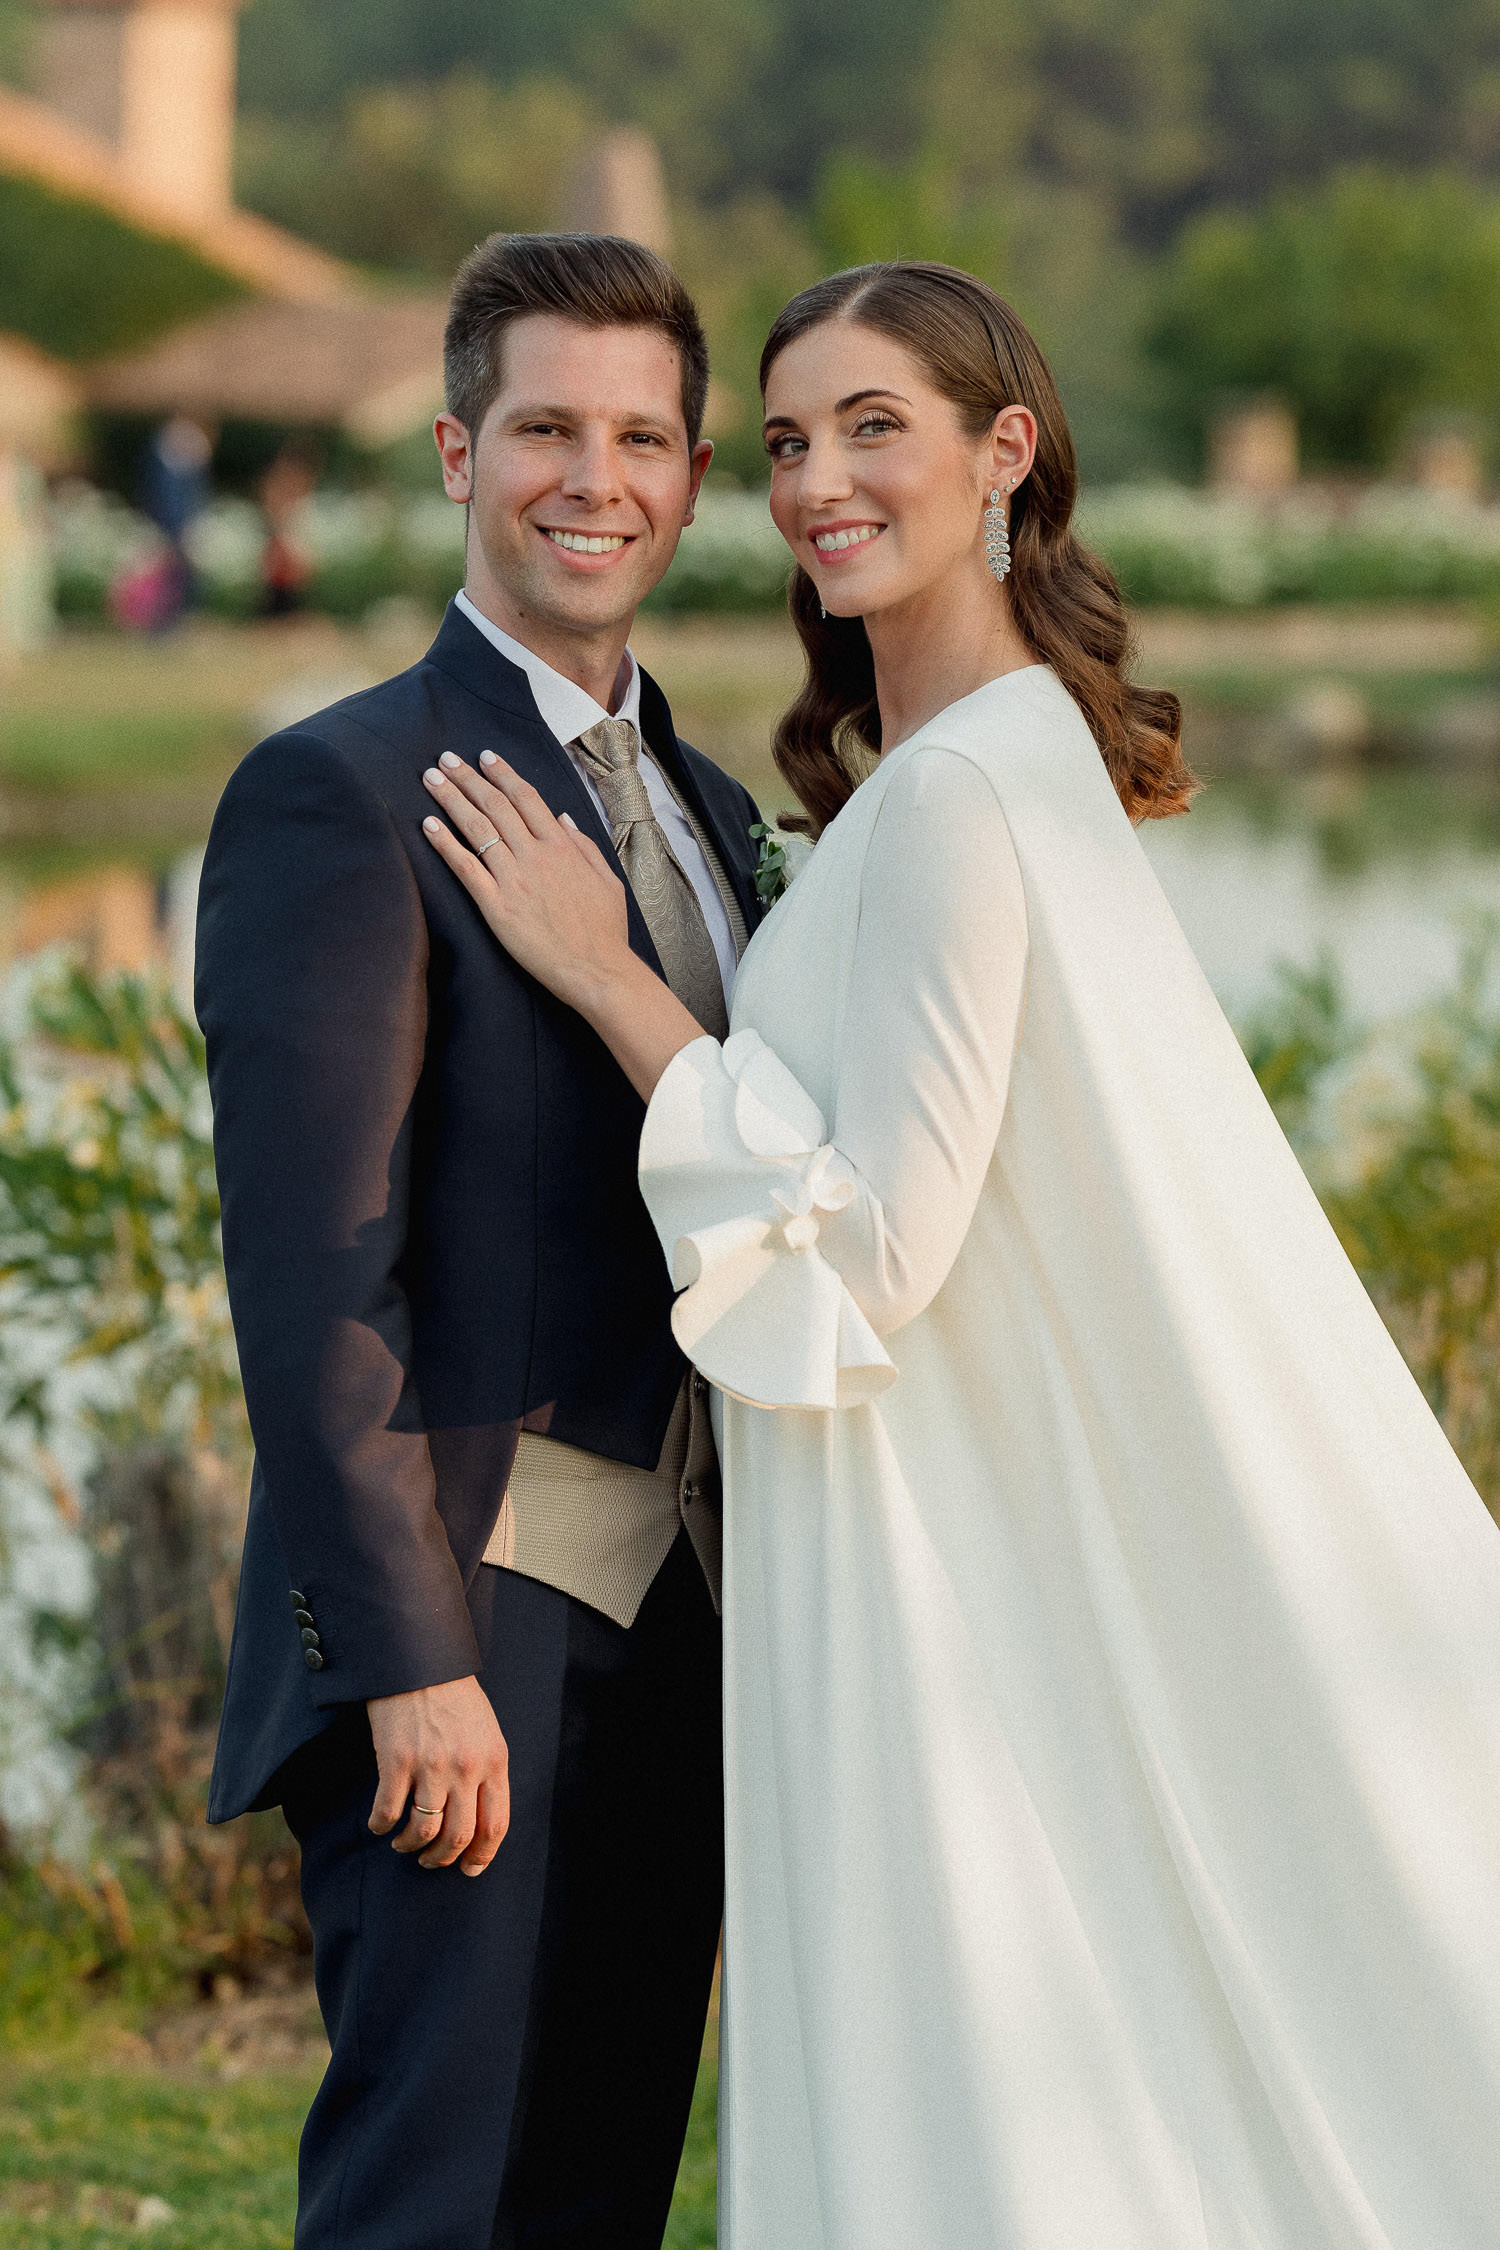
(770, 870)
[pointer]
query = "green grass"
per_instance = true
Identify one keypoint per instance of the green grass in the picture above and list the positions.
(692, 2225)
(82, 2146)
(108, 751)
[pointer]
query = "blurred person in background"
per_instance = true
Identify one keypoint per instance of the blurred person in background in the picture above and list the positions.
(1112, 1636)
(175, 488)
(285, 565)
(477, 1656)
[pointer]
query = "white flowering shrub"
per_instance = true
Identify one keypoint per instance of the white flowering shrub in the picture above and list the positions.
(731, 557)
(1175, 548)
(1170, 546)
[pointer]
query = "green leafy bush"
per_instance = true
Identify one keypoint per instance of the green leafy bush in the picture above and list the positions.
(117, 1352)
(1400, 1136)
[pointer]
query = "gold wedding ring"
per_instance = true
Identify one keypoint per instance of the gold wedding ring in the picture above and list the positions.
(429, 1812)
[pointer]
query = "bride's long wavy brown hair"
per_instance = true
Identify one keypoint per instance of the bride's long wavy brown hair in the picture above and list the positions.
(982, 357)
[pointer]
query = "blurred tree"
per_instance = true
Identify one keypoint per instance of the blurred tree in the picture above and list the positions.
(17, 23)
(1297, 91)
(1106, 97)
(1052, 250)
(742, 261)
(865, 210)
(300, 57)
(746, 93)
(1362, 301)
(698, 74)
(411, 177)
(1159, 106)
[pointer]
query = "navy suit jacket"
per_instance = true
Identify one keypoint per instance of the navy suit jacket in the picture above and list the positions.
(432, 1228)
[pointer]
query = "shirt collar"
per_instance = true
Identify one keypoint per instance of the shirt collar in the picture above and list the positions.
(564, 706)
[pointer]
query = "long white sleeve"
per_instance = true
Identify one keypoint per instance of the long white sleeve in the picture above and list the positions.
(798, 1247)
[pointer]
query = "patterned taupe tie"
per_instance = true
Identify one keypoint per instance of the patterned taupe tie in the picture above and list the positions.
(611, 751)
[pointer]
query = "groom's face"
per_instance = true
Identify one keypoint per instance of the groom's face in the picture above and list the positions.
(580, 477)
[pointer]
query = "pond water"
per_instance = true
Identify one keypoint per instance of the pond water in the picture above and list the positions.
(1388, 876)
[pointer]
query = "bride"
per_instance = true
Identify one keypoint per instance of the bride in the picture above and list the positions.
(1112, 1639)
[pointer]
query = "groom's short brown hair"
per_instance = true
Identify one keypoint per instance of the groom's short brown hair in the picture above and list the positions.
(599, 280)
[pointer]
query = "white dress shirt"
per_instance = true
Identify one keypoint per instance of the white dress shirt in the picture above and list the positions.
(568, 709)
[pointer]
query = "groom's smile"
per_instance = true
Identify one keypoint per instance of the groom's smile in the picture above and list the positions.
(588, 550)
(578, 482)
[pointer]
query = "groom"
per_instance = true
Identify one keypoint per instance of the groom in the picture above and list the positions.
(476, 1654)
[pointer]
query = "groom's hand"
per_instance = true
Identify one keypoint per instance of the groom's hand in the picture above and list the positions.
(442, 1749)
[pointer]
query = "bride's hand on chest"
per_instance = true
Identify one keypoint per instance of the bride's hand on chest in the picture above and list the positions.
(558, 908)
(545, 890)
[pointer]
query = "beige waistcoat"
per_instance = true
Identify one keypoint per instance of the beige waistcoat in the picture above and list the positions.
(601, 1530)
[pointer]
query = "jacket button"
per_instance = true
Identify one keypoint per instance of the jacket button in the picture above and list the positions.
(312, 1660)
(299, 1601)
(310, 1638)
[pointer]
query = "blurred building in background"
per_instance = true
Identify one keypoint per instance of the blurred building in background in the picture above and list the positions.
(146, 290)
(1252, 447)
(154, 79)
(136, 131)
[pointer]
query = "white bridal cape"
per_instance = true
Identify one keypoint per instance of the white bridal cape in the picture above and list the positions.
(1112, 1638)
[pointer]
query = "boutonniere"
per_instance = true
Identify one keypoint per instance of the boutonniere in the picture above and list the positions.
(782, 859)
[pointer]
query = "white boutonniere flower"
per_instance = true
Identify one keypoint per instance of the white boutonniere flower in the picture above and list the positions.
(782, 859)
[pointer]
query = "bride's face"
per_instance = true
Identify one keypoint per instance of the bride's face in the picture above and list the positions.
(876, 486)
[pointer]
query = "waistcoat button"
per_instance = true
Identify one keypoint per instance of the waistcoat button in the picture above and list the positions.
(312, 1660)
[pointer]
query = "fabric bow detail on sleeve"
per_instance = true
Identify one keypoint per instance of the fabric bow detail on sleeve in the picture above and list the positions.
(739, 1177)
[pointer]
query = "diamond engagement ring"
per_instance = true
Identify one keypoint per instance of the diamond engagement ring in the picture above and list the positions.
(489, 847)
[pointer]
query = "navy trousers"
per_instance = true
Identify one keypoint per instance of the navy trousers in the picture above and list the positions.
(514, 2054)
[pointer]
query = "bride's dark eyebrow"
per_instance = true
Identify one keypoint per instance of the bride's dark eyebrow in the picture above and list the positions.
(855, 398)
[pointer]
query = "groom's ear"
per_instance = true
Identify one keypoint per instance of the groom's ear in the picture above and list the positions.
(457, 456)
(703, 453)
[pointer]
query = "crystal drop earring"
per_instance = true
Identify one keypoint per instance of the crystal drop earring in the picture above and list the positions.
(996, 537)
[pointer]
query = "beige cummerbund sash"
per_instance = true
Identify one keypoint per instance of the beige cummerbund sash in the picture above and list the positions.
(601, 1530)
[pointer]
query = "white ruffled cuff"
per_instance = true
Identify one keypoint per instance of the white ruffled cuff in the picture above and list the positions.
(738, 1176)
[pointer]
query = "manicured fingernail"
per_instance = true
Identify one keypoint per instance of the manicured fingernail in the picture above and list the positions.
(451, 758)
(432, 775)
(488, 758)
(433, 827)
(567, 821)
